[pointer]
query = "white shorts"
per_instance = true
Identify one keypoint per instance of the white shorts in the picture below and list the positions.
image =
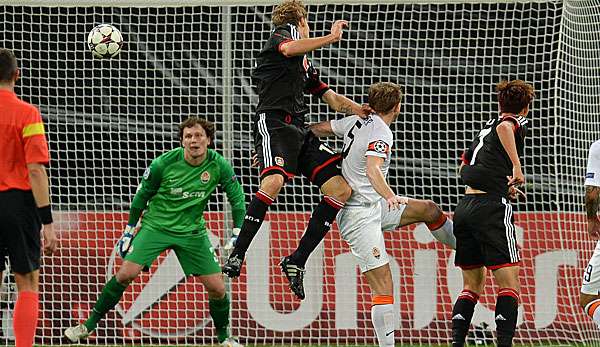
(361, 228)
(390, 220)
(591, 276)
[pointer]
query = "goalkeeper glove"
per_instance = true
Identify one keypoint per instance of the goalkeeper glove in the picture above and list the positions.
(232, 241)
(124, 242)
(313, 84)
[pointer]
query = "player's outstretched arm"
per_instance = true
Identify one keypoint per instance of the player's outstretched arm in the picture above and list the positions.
(322, 129)
(303, 46)
(340, 103)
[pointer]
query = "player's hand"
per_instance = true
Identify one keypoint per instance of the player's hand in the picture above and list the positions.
(395, 201)
(50, 241)
(514, 193)
(124, 242)
(235, 232)
(337, 29)
(517, 177)
(594, 228)
(365, 111)
(255, 162)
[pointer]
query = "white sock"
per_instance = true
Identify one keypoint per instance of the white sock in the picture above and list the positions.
(445, 234)
(382, 317)
(593, 310)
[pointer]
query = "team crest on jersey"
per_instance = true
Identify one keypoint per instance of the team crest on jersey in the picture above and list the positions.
(376, 253)
(146, 173)
(205, 177)
(379, 147)
(279, 161)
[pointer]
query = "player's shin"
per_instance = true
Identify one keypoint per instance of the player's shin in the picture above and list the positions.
(318, 226)
(382, 317)
(25, 318)
(592, 309)
(462, 313)
(252, 221)
(443, 230)
(109, 298)
(219, 311)
(507, 306)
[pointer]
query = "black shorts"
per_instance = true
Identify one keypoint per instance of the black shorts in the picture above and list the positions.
(284, 145)
(20, 228)
(485, 233)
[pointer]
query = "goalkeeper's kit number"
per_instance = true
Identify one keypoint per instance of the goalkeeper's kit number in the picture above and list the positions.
(124, 243)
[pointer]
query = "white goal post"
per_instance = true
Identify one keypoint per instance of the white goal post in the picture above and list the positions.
(107, 119)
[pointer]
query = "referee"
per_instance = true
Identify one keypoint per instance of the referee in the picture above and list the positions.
(24, 197)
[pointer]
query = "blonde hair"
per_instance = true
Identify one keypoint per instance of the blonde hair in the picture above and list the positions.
(513, 96)
(289, 11)
(384, 96)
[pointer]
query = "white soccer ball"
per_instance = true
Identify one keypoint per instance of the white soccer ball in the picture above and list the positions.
(105, 41)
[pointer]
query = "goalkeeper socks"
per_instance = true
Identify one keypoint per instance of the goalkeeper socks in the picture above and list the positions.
(219, 311)
(462, 313)
(254, 217)
(318, 226)
(592, 310)
(443, 231)
(110, 296)
(507, 306)
(25, 318)
(382, 316)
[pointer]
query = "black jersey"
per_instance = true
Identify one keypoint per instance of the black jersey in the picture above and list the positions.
(488, 164)
(280, 79)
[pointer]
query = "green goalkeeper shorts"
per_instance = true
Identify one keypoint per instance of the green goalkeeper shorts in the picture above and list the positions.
(194, 251)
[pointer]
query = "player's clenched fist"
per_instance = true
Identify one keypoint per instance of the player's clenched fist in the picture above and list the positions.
(337, 29)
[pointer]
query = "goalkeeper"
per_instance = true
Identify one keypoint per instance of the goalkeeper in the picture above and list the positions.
(174, 192)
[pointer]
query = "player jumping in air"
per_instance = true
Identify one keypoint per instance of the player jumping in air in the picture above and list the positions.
(284, 144)
(483, 219)
(174, 192)
(373, 205)
(590, 288)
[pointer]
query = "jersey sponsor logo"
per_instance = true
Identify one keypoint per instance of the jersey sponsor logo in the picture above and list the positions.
(279, 161)
(146, 173)
(176, 191)
(376, 253)
(379, 146)
(589, 175)
(200, 194)
(205, 177)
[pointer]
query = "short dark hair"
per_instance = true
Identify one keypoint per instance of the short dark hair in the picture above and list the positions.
(289, 11)
(384, 96)
(208, 127)
(8, 65)
(513, 96)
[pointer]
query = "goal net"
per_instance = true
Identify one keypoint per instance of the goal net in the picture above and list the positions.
(107, 119)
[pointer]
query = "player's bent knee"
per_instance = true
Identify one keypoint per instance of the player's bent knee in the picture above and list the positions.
(433, 212)
(338, 188)
(272, 183)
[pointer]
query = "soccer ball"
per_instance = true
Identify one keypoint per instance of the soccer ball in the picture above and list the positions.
(105, 41)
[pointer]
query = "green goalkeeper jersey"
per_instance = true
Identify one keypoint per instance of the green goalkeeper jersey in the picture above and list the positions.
(175, 193)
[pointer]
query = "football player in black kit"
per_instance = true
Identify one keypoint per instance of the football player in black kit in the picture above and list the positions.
(284, 145)
(483, 220)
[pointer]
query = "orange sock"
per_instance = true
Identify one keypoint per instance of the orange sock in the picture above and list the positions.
(25, 318)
